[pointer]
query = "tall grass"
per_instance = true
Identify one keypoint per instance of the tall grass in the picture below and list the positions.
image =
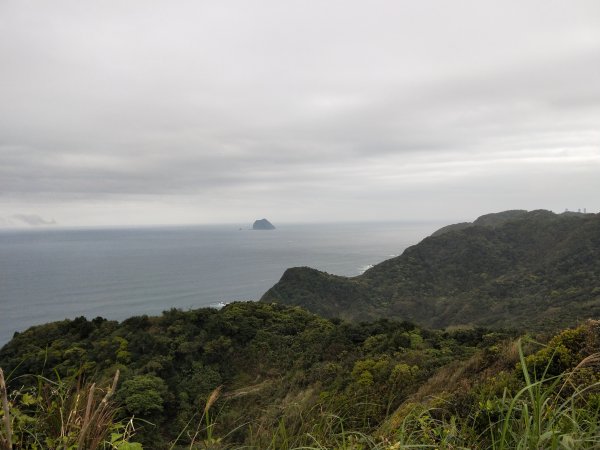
(206, 423)
(62, 414)
(541, 415)
(6, 430)
(548, 412)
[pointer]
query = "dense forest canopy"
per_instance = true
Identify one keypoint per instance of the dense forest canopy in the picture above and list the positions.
(262, 354)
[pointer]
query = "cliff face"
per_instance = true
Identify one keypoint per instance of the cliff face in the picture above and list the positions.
(262, 224)
(519, 269)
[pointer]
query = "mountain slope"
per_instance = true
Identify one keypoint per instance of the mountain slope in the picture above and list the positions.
(536, 270)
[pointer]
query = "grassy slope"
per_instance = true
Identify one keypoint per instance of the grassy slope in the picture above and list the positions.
(519, 394)
(292, 379)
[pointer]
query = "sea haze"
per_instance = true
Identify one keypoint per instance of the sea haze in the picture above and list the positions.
(48, 275)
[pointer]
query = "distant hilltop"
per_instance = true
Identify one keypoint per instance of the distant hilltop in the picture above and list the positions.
(262, 224)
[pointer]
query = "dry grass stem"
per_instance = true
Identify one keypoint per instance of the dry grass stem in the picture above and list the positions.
(88, 408)
(214, 395)
(8, 440)
(591, 360)
(100, 414)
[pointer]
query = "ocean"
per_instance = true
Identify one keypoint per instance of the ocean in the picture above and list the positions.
(53, 274)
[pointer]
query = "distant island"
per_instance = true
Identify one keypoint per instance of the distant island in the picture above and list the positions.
(262, 224)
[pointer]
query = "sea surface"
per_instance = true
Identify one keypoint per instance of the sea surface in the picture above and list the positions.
(53, 274)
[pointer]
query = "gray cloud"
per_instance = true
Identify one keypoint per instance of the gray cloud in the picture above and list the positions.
(201, 111)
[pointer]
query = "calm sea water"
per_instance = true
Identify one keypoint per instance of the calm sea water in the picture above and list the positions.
(48, 275)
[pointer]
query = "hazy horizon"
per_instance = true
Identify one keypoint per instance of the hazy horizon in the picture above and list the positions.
(138, 113)
(245, 226)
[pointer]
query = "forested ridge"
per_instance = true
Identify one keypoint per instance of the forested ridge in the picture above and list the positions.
(532, 270)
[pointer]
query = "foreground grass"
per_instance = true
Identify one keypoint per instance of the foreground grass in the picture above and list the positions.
(548, 412)
(62, 415)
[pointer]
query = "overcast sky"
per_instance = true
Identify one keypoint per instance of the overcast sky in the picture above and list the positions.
(162, 112)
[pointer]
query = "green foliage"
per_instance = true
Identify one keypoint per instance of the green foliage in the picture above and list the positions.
(276, 363)
(63, 415)
(284, 378)
(143, 395)
(525, 407)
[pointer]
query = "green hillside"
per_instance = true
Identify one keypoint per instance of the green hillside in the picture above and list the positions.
(532, 270)
(269, 377)
(274, 363)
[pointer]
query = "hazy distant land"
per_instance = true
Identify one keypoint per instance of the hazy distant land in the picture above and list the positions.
(25, 220)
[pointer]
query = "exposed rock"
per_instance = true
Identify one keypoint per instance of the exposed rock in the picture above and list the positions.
(262, 224)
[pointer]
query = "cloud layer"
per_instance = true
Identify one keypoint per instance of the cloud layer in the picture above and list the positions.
(160, 112)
